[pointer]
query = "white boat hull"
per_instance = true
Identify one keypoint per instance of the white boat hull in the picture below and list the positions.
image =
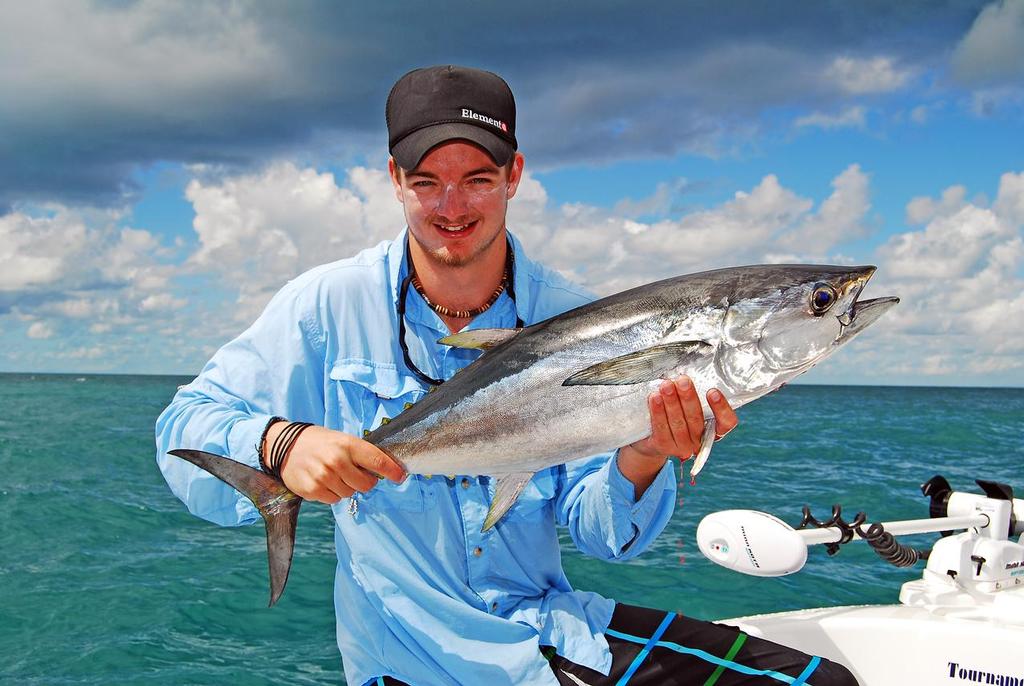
(890, 645)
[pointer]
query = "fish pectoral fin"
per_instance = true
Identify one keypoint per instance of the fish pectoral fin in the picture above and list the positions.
(642, 366)
(707, 439)
(506, 492)
(278, 506)
(479, 339)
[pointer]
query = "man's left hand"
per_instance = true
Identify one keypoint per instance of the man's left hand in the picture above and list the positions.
(677, 422)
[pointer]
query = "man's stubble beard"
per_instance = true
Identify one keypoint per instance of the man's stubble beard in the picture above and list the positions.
(442, 256)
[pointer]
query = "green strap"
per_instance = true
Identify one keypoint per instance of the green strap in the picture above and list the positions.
(741, 638)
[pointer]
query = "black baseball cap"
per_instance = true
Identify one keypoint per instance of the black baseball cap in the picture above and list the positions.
(432, 105)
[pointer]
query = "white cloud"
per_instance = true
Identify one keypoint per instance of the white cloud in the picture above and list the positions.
(39, 330)
(920, 114)
(62, 249)
(992, 51)
(93, 352)
(259, 230)
(161, 302)
(1009, 202)
(175, 53)
(852, 117)
(73, 264)
(658, 203)
(949, 247)
(84, 305)
(840, 217)
(937, 365)
(961, 283)
(922, 209)
(33, 250)
(860, 76)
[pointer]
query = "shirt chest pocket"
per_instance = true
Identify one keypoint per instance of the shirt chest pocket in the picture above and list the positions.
(367, 394)
(537, 499)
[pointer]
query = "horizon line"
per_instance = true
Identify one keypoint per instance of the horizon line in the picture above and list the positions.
(793, 383)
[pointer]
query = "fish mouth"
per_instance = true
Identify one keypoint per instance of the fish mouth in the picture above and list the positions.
(862, 313)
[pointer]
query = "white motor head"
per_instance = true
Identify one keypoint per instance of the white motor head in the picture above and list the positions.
(751, 542)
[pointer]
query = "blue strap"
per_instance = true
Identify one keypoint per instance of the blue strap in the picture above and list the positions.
(708, 657)
(646, 649)
(380, 681)
(808, 670)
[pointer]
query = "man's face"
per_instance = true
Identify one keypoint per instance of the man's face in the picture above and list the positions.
(455, 200)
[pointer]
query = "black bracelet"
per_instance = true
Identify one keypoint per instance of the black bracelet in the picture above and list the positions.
(263, 439)
(283, 445)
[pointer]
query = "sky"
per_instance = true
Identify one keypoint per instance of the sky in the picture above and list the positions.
(165, 167)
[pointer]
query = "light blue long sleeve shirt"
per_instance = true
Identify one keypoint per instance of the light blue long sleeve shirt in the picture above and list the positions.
(421, 594)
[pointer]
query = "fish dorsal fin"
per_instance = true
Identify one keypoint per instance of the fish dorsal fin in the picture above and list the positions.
(506, 492)
(644, 365)
(479, 339)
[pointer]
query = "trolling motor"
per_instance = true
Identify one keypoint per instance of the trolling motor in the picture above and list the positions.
(962, 569)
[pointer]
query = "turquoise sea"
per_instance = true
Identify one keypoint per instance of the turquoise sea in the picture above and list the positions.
(106, 579)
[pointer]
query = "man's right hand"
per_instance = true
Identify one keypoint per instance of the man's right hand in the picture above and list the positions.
(327, 465)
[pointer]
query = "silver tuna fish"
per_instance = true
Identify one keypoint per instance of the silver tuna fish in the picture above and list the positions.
(577, 384)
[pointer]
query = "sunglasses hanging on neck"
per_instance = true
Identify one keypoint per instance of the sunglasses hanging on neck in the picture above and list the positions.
(403, 294)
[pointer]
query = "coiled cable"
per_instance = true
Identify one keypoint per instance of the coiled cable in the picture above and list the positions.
(887, 547)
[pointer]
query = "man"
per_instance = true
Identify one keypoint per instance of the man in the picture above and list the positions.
(422, 595)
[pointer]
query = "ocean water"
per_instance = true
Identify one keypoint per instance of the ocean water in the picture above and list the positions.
(106, 579)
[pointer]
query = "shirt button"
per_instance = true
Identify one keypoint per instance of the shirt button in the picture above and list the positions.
(494, 606)
(465, 482)
(478, 551)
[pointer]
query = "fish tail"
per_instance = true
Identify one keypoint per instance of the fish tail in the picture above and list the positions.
(278, 506)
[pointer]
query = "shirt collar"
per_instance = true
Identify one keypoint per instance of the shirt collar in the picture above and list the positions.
(396, 264)
(524, 269)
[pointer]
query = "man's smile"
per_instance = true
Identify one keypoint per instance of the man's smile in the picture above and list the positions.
(455, 230)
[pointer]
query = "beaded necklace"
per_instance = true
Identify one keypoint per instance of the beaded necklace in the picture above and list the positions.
(461, 314)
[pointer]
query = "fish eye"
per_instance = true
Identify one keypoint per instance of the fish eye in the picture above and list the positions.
(823, 297)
